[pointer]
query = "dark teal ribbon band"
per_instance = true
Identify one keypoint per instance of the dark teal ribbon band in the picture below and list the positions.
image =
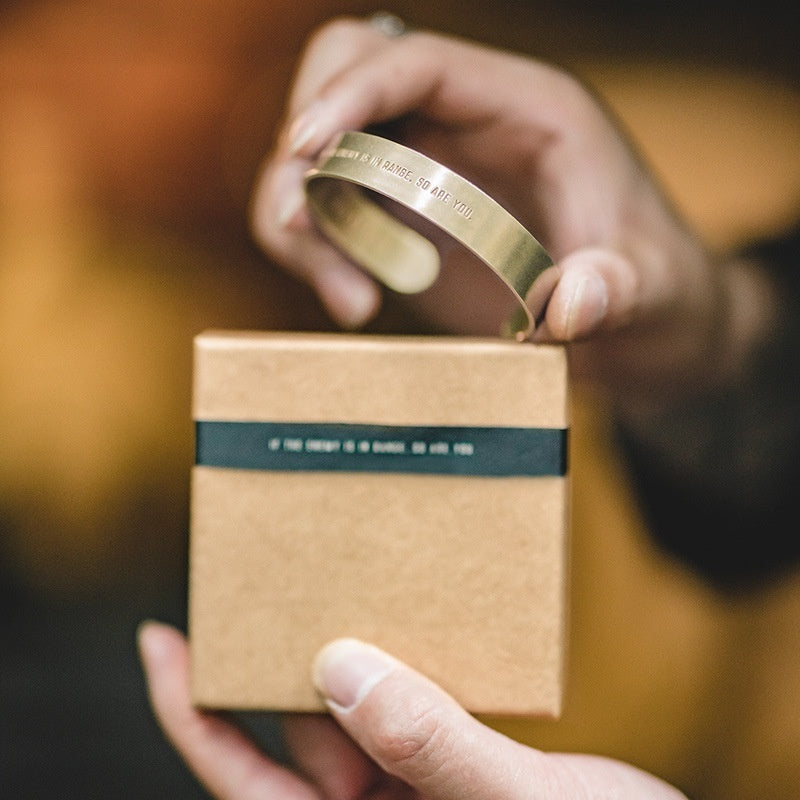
(325, 447)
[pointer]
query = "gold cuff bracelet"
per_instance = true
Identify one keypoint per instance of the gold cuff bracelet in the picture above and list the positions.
(394, 253)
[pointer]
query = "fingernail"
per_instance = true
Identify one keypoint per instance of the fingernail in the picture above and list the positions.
(587, 304)
(345, 671)
(539, 294)
(307, 126)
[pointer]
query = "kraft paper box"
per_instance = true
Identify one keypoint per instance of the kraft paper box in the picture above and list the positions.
(409, 491)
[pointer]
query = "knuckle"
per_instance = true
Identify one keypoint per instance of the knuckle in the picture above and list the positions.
(414, 743)
(336, 30)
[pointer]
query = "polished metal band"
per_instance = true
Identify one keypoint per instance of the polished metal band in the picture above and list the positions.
(394, 253)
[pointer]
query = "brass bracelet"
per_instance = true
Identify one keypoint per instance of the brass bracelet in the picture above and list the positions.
(394, 253)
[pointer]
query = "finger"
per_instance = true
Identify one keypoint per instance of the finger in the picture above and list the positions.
(597, 289)
(282, 227)
(419, 734)
(324, 753)
(446, 80)
(336, 45)
(416, 732)
(218, 753)
(278, 212)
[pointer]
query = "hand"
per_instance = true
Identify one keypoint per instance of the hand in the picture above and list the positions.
(653, 314)
(391, 734)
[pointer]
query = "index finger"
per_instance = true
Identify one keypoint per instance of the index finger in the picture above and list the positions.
(446, 80)
(332, 48)
(219, 754)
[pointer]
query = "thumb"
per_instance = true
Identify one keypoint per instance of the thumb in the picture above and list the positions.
(597, 288)
(416, 732)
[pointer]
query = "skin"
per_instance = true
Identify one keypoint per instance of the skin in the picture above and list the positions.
(391, 734)
(647, 313)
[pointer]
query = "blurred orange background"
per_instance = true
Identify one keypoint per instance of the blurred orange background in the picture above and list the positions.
(129, 138)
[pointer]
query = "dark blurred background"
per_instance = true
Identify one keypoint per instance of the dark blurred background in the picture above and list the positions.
(130, 135)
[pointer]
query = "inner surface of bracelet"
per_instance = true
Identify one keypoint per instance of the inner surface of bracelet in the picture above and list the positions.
(398, 256)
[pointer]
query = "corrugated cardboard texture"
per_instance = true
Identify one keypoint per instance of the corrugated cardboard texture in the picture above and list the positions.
(462, 577)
